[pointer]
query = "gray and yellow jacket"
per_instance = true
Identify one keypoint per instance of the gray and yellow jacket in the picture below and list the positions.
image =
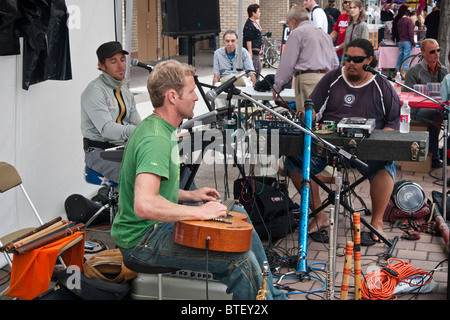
(108, 110)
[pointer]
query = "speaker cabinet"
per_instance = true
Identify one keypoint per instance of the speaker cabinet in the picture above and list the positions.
(190, 17)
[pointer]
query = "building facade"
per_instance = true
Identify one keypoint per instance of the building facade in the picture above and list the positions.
(148, 43)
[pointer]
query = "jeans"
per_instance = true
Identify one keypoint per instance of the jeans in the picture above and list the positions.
(241, 272)
(404, 51)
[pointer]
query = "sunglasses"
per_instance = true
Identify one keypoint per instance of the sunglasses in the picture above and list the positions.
(347, 2)
(434, 51)
(357, 59)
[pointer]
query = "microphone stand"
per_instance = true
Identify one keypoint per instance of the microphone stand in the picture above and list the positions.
(200, 86)
(445, 123)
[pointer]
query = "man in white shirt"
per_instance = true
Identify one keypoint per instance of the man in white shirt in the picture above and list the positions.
(316, 14)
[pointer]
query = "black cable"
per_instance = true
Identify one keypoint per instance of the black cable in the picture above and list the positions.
(207, 265)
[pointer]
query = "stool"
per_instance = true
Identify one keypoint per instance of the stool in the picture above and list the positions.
(178, 284)
(94, 177)
(150, 269)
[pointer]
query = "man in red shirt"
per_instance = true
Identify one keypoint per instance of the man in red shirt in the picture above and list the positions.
(339, 30)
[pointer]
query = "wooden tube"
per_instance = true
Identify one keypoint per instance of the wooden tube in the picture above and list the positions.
(347, 270)
(357, 253)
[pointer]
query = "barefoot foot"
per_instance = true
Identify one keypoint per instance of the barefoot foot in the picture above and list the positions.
(319, 222)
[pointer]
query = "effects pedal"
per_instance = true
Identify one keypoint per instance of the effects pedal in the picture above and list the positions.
(355, 127)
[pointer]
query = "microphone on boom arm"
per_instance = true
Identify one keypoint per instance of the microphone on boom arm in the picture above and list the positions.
(136, 63)
(368, 68)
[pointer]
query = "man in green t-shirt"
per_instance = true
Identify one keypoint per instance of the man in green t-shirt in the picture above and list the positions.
(149, 193)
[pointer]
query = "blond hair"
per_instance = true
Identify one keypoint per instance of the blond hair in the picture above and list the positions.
(425, 42)
(170, 74)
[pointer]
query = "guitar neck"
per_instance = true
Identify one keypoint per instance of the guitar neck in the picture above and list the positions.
(228, 203)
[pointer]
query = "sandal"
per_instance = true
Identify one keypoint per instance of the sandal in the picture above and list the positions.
(319, 236)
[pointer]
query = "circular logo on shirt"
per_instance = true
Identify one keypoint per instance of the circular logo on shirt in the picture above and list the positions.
(349, 99)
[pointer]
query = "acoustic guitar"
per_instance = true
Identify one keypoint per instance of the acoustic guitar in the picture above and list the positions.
(229, 234)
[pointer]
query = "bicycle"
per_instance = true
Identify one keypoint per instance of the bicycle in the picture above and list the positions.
(408, 62)
(271, 51)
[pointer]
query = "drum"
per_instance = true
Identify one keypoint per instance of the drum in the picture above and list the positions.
(408, 196)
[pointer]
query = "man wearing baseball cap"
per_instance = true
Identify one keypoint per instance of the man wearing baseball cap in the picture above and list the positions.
(108, 110)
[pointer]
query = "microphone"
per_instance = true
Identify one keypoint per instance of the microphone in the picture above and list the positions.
(205, 118)
(212, 94)
(136, 63)
(368, 68)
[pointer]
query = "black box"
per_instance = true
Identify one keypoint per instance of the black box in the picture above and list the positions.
(187, 18)
(388, 145)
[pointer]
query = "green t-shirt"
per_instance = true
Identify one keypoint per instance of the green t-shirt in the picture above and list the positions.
(152, 148)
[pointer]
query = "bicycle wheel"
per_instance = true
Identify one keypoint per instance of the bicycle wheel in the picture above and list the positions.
(408, 62)
(273, 56)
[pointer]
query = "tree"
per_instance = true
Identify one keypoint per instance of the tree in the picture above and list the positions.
(444, 31)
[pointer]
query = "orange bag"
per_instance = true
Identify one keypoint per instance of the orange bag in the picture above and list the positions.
(31, 272)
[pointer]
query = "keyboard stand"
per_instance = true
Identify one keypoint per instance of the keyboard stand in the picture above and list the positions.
(346, 191)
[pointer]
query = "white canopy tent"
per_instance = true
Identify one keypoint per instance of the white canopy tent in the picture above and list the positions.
(40, 128)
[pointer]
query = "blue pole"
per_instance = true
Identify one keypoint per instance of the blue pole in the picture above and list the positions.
(305, 192)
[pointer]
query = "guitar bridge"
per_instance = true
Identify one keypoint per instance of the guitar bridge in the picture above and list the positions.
(220, 220)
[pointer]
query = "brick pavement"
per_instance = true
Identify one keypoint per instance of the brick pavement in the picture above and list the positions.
(425, 253)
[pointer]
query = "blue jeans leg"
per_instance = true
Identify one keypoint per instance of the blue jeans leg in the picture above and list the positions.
(260, 255)
(404, 51)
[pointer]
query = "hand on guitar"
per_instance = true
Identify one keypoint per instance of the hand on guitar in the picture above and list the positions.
(211, 210)
(199, 195)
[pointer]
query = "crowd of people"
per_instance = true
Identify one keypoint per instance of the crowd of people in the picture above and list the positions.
(326, 67)
(426, 23)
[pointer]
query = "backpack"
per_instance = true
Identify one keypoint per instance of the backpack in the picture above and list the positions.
(267, 205)
(330, 19)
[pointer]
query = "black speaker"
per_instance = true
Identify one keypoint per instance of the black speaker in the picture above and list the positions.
(80, 209)
(190, 17)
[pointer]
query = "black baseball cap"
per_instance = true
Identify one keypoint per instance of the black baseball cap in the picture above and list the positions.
(108, 49)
